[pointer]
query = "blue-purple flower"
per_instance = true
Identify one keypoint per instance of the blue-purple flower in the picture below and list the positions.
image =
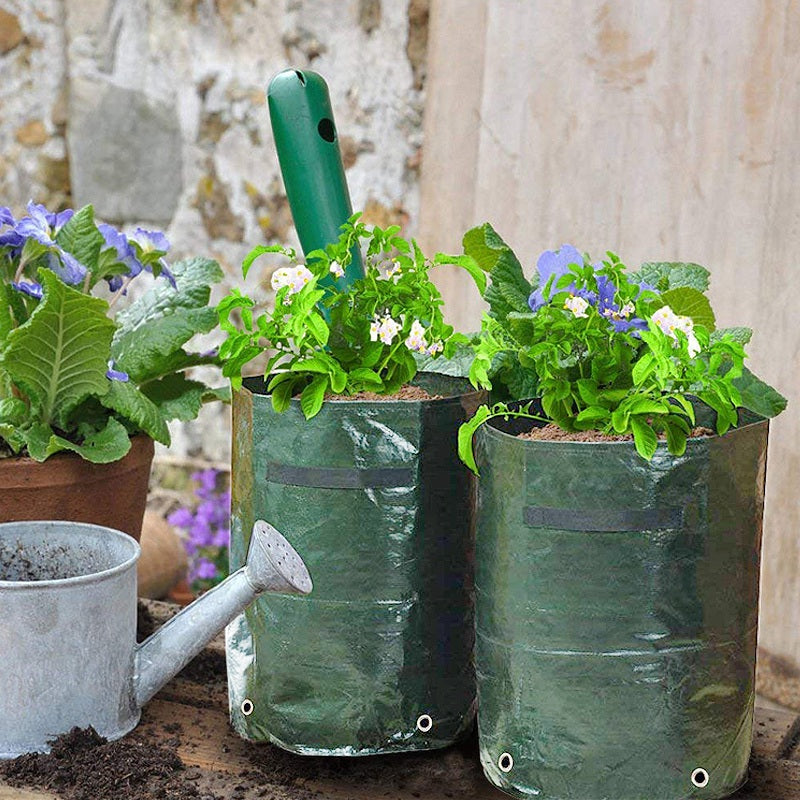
(151, 241)
(28, 287)
(554, 264)
(207, 526)
(114, 374)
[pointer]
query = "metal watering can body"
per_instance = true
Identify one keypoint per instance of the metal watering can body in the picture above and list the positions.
(68, 652)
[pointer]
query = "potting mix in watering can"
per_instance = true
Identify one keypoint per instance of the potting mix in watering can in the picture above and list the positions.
(616, 575)
(354, 455)
(68, 652)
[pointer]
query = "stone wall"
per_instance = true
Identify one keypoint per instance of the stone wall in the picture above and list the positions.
(154, 111)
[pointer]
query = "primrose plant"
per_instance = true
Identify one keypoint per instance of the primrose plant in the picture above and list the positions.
(326, 338)
(77, 372)
(602, 348)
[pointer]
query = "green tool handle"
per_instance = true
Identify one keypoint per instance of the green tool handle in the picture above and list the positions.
(311, 162)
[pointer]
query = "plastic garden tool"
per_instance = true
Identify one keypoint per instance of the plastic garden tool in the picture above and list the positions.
(311, 162)
(68, 652)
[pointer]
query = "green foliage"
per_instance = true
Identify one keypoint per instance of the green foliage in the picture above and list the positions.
(72, 376)
(603, 352)
(323, 340)
(59, 356)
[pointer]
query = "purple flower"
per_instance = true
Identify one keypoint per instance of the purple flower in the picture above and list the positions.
(203, 570)
(555, 264)
(29, 288)
(6, 217)
(116, 375)
(180, 518)
(207, 480)
(117, 241)
(67, 267)
(36, 225)
(151, 241)
(165, 271)
(58, 220)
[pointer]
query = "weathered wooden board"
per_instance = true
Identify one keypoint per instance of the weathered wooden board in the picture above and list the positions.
(662, 131)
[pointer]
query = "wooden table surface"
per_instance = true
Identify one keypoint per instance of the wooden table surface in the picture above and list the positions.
(193, 709)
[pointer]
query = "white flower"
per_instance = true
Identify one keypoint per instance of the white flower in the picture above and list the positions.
(293, 277)
(302, 275)
(627, 310)
(336, 269)
(670, 323)
(435, 348)
(416, 337)
(394, 272)
(280, 278)
(384, 328)
(577, 305)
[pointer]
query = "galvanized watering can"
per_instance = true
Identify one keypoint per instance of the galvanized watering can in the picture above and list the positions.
(68, 652)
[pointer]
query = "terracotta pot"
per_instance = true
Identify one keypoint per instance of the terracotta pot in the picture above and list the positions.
(65, 487)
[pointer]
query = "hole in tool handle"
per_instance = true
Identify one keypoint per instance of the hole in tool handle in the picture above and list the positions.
(505, 762)
(700, 778)
(326, 129)
(247, 707)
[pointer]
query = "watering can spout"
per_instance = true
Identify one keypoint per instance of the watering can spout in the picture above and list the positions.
(272, 566)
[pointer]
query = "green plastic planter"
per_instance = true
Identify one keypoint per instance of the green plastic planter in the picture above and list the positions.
(378, 659)
(617, 605)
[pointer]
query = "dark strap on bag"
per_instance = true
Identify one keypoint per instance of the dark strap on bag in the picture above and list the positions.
(604, 520)
(340, 477)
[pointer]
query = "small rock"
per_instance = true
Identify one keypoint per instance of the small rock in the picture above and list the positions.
(11, 34)
(31, 134)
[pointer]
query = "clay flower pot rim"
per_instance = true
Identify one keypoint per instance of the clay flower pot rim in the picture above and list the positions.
(47, 473)
(76, 580)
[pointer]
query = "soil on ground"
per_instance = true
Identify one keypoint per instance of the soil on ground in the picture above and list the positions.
(552, 433)
(84, 766)
(403, 393)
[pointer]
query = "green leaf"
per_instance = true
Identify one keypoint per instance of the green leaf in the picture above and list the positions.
(759, 397)
(644, 437)
(318, 328)
(163, 319)
(176, 396)
(457, 365)
(313, 396)
(465, 262)
(282, 395)
(80, 237)
(100, 447)
(741, 335)
(466, 433)
(13, 411)
(260, 251)
(509, 290)
(688, 302)
(666, 275)
(125, 399)
(60, 355)
(367, 377)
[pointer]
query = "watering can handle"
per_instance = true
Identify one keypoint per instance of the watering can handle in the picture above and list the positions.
(272, 565)
(311, 163)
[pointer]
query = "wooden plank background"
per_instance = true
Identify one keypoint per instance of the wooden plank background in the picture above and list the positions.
(659, 130)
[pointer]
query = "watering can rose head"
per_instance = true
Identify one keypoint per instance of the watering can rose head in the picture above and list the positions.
(78, 371)
(327, 335)
(602, 348)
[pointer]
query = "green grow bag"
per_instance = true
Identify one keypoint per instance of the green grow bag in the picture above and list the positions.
(379, 658)
(617, 607)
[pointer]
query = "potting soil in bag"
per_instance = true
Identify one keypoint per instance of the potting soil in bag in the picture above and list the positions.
(617, 604)
(379, 658)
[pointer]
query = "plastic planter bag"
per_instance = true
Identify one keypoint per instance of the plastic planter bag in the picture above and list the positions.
(378, 658)
(617, 604)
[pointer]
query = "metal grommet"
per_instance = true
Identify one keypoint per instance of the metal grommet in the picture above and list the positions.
(700, 778)
(505, 762)
(247, 707)
(424, 723)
